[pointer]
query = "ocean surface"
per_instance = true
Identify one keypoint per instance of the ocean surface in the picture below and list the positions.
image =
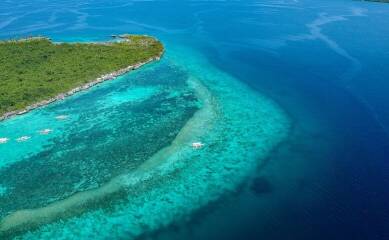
(290, 99)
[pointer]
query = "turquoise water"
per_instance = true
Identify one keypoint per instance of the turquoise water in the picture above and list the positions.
(288, 97)
(124, 152)
(108, 131)
(175, 184)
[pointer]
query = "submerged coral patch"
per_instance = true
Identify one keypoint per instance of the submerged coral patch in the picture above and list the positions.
(261, 185)
(3, 190)
(122, 137)
(136, 159)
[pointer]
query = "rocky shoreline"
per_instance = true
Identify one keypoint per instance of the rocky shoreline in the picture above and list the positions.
(62, 96)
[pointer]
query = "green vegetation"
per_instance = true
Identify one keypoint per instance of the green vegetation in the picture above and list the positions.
(35, 69)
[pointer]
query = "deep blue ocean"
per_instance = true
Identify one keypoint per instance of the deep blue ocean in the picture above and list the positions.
(323, 61)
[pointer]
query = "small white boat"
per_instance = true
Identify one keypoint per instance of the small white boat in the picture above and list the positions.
(197, 145)
(61, 117)
(45, 131)
(23, 139)
(4, 140)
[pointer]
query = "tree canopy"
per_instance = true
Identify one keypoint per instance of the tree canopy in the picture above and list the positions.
(36, 69)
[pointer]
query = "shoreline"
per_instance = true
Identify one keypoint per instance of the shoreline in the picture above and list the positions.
(62, 96)
(175, 181)
(24, 220)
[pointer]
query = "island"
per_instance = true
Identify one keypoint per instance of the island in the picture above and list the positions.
(35, 71)
(163, 140)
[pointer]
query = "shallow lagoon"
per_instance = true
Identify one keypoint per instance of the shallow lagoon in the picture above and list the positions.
(109, 130)
(329, 179)
(125, 132)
